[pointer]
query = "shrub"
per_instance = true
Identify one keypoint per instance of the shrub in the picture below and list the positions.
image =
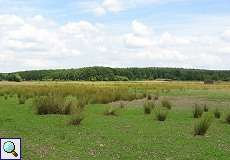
(166, 104)
(148, 106)
(205, 108)
(227, 119)
(110, 112)
(197, 112)
(202, 125)
(5, 97)
(161, 114)
(217, 113)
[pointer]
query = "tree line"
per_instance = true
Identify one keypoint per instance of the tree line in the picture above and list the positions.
(118, 74)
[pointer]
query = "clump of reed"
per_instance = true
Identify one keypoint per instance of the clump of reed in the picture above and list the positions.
(56, 104)
(227, 118)
(111, 111)
(202, 125)
(206, 108)
(217, 113)
(161, 114)
(166, 104)
(148, 106)
(197, 111)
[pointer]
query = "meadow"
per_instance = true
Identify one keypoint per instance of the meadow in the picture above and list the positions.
(117, 120)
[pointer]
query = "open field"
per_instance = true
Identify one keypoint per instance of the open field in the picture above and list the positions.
(130, 134)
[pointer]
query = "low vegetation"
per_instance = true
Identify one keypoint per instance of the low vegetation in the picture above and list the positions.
(111, 111)
(148, 106)
(206, 108)
(166, 104)
(197, 111)
(202, 125)
(56, 104)
(160, 114)
(217, 113)
(227, 119)
(79, 104)
(76, 120)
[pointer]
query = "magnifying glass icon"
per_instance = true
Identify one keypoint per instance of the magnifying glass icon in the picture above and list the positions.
(9, 147)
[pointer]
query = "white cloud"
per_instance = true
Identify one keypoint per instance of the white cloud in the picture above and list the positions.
(132, 40)
(105, 6)
(112, 5)
(140, 28)
(40, 43)
(226, 34)
(99, 11)
(168, 39)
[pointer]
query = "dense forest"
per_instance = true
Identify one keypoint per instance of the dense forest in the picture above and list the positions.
(118, 74)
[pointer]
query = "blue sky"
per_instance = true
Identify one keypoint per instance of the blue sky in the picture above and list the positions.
(41, 34)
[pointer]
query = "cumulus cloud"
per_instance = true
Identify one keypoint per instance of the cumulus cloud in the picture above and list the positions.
(140, 28)
(41, 43)
(226, 35)
(115, 6)
(106, 6)
(33, 45)
(168, 39)
(112, 5)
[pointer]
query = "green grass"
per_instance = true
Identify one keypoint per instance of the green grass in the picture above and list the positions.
(130, 135)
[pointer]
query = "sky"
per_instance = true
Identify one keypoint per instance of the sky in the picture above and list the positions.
(51, 34)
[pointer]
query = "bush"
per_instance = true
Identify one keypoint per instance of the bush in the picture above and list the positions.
(227, 119)
(217, 113)
(5, 97)
(166, 104)
(161, 114)
(110, 112)
(197, 112)
(202, 125)
(205, 108)
(148, 106)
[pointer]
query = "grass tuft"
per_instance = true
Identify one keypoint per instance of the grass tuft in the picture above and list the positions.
(77, 119)
(166, 104)
(58, 105)
(206, 108)
(202, 125)
(227, 119)
(149, 97)
(217, 113)
(122, 105)
(197, 111)
(22, 99)
(148, 106)
(110, 112)
(161, 114)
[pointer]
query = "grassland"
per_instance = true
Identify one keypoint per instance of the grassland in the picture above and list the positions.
(129, 135)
